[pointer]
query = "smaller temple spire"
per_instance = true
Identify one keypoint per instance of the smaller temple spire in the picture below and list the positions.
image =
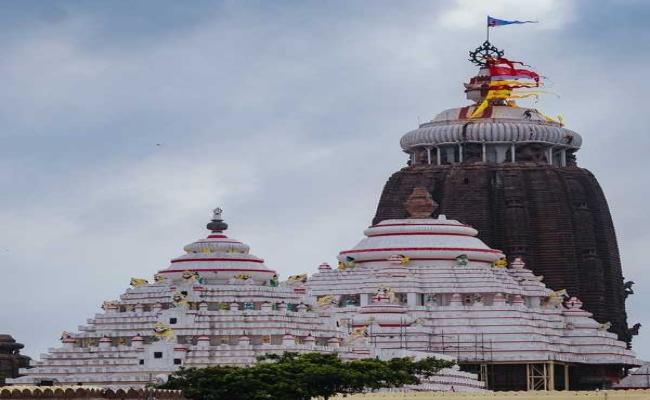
(217, 224)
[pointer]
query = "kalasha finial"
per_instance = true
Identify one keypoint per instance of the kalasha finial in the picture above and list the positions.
(420, 204)
(481, 54)
(217, 224)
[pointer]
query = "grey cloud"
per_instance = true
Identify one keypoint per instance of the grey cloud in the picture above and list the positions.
(287, 115)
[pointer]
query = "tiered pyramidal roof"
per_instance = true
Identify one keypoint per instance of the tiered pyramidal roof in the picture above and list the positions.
(430, 284)
(216, 304)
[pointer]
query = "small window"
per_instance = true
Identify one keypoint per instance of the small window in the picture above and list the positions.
(466, 181)
(184, 292)
(177, 361)
(157, 354)
(141, 362)
(173, 321)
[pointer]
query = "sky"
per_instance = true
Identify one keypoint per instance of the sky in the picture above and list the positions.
(122, 124)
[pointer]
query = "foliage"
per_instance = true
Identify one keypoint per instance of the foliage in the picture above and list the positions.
(293, 376)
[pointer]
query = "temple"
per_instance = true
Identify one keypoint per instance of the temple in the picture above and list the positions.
(491, 248)
(511, 172)
(418, 286)
(10, 358)
(430, 284)
(215, 304)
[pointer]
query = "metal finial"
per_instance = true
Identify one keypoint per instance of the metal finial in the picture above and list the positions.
(481, 54)
(217, 224)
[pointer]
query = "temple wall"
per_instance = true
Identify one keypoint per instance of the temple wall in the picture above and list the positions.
(563, 395)
(85, 392)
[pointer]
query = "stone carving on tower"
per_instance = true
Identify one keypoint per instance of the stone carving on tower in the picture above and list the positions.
(420, 204)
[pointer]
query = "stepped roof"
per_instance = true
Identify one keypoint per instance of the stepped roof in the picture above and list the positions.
(218, 257)
(429, 283)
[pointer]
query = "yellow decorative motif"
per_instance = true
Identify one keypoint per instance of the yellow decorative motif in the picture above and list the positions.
(191, 276)
(294, 279)
(179, 299)
(346, 264)
(360, 332)
(109, 304)
(163, 331)
(137, 282)
(556, 298)
(326, 301)
(501, 263)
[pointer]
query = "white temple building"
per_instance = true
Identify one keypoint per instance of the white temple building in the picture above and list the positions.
(216, 304)
(430, 285)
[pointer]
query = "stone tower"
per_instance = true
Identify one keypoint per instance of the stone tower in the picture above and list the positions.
(10, 358)
(512, 174)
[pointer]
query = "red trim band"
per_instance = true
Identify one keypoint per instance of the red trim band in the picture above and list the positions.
(421, 234)
(217, 259)
(217, 270)
(457, 225)
(491, 251)
(420, 259)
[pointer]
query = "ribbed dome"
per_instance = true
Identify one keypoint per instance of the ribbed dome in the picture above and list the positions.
(505, 124)
(421, 240)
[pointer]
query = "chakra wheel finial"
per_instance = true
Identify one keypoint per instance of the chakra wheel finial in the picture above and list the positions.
(484, 52)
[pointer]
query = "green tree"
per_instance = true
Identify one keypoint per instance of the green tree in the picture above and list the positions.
(293, 376)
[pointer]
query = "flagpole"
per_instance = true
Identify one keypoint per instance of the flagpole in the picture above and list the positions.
(487, 29)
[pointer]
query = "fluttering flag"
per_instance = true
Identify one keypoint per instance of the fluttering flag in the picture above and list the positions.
(505, 69)
(492, 22)
(504, 78)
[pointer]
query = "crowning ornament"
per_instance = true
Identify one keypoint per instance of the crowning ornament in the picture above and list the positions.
(485, 52)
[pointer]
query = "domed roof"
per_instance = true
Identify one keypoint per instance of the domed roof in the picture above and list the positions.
(8, 343)
(420, 240)
(218, 256)
(504, 124)
(501, 121)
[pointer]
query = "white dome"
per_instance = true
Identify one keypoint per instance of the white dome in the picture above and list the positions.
(219, 257)
(421, 240)
(505, 124)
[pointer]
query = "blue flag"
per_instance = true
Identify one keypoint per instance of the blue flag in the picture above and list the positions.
(491, 22)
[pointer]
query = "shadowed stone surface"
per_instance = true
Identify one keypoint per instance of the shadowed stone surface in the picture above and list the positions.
(555, 218)
(10, 358)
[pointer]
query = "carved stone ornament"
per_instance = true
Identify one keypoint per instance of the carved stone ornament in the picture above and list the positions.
(420, 204)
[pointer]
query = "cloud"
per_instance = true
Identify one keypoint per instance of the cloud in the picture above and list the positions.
(123, 128)
(468, 14)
